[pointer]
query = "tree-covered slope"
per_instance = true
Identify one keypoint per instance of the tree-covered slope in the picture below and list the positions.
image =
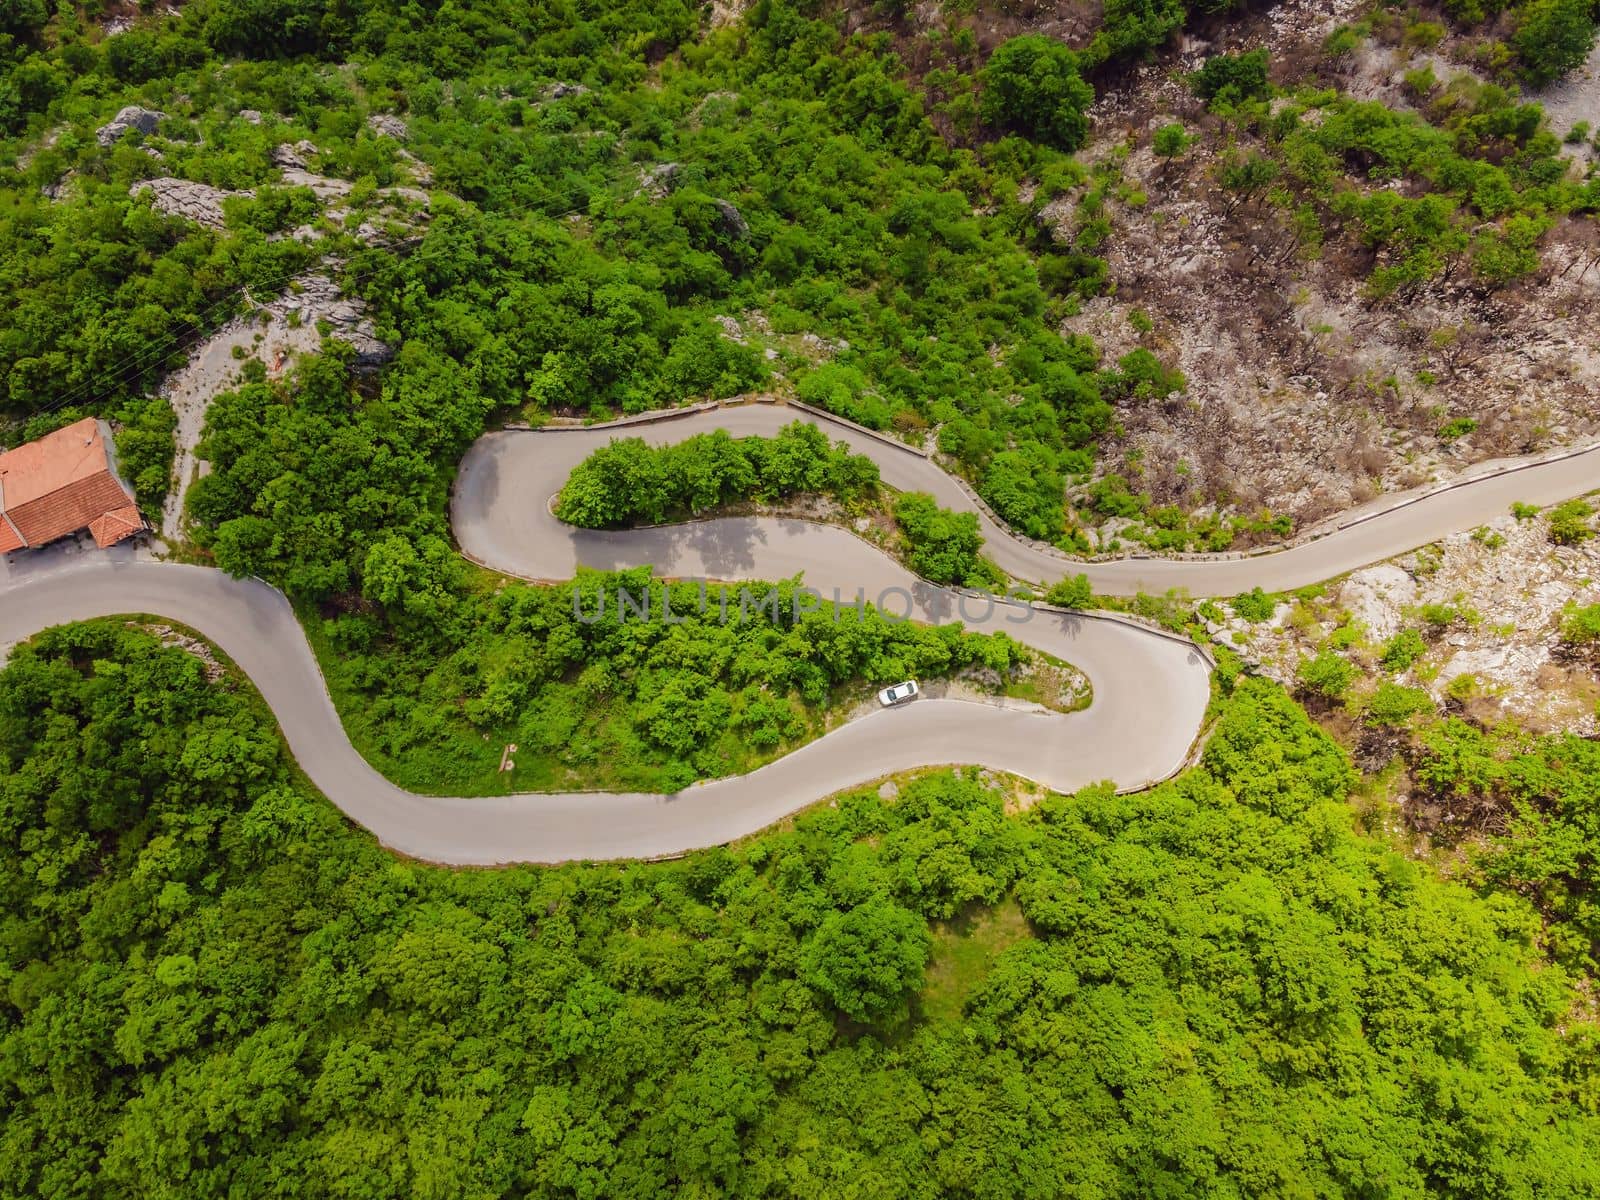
(213, 986)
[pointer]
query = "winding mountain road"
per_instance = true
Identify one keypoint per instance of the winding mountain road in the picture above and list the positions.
(502, 517)
(1150, 689)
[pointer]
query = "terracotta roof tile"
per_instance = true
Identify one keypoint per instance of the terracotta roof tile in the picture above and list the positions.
(58, 485)
(115, 526)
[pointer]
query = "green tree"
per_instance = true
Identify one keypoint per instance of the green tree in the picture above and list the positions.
(1073, 591)
(1230, 78)
(1031, 83)
(1552, 37)
(944, 546)
(1170, 141)
(868, 959)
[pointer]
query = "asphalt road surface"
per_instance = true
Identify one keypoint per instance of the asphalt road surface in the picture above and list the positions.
(502, 517)
(1150, 694)
(1150, 690)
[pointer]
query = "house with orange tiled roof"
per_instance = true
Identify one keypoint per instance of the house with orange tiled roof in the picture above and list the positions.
(61, 484)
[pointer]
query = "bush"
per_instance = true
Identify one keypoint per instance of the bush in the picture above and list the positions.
(1031, 84)
(1327, 675)
(1170, 140)
(1569, 523)
(1553, 37)
(1403, 649)
(943, 546)
(1393, 704)
(1130, 27)
(1140, 375)
(1439, 616)
(1581, 626)
(1074, 591)
(1231, 78)
(144, 450)
(1255, 605)
(1110, 496)
(628, 482)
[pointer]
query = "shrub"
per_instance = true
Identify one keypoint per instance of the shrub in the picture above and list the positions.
(1569, 523)
(1489, 539)
(1553, 37)
(1327, 675)
(1074, 591)
(1439, 616)
(1170, 140)
(1403, 649)
(628, 482)
(1140, 375)
(1393, 704)
(943, 545)
(1255, 605)
(1109, 496)
(1421, 83)
(1231, 78)
(1581, 626)
(1073, 274)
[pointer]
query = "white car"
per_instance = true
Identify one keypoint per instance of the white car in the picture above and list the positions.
(898, 694)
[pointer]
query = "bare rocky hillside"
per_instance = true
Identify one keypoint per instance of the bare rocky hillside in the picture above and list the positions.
(1305, 393)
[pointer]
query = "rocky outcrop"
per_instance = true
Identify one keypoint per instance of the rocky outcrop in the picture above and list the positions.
(660, 180)
(285, 326)
(319, 304)
(250, 116)
(560, 91)
(733, 222)
(144, 120)
(1377, 596)
(293, 156)
(197, 202)
(387, 125)
(203, 204)
(421, 172)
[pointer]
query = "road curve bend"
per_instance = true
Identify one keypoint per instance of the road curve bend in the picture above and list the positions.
(1150, 696)
(501, 515)
(1150, 690)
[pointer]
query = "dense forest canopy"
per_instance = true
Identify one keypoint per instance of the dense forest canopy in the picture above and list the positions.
(609, 179)
(213, 984)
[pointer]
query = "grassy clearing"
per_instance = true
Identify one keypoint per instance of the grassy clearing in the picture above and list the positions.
(964, 950)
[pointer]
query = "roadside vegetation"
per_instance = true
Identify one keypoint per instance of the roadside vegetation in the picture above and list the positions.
(595, 695)
(213, 983)
(1259, 978)
(628, 482)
